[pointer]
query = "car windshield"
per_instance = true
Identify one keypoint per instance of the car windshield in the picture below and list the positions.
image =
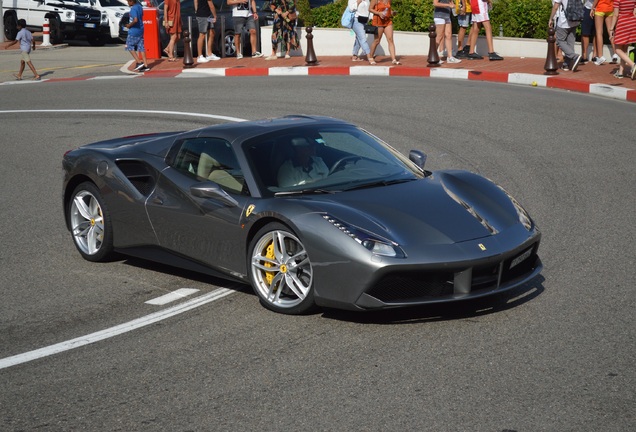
(325, 159)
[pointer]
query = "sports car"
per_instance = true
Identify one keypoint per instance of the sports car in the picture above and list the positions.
(310, 211)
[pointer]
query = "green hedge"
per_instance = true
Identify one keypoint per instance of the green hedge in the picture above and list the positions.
(519, 18)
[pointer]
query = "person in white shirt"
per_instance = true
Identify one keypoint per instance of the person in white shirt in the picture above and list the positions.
(361, 7)
(565, 33)
(244, 14)
(304, 167)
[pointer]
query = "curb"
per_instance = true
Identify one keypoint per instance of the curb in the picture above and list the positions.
(534, 80)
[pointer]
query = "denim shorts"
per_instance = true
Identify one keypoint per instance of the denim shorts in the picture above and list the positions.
(465, 20)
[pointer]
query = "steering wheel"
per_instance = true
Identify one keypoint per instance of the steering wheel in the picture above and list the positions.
(340, 163)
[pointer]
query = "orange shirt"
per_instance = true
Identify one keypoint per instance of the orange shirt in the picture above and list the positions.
(604, 6)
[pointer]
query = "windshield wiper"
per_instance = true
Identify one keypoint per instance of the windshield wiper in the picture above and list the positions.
(306, 192)
(379, 183)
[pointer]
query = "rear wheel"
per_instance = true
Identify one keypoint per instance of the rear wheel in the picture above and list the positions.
(280, 271)
(10, 26)
(230, 49)
(90, 223)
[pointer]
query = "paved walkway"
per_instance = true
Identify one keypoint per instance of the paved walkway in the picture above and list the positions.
(588, 78)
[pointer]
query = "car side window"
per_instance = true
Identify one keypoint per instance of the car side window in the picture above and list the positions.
(211, 159)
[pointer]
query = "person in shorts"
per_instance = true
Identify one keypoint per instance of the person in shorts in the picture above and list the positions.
(206, 17)
(135, 38)
(444, 28)
(603, 11)
(480, 9)
(244, 15)
(587, 32)
(464, 15)
(25, 38)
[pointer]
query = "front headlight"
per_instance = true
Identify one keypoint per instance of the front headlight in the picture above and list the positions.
(372, 242)
(104, 19)
(69, 15)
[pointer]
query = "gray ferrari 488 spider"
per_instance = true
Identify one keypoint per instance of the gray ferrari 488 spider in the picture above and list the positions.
(311, 211)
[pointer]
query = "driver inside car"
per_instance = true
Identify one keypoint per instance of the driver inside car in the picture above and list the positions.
(303, 167)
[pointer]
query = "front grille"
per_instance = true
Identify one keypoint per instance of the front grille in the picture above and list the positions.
(421, 286)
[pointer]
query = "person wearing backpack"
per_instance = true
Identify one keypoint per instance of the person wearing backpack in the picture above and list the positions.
(566, 30)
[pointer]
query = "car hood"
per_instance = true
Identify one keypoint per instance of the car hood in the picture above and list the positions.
(445, 208)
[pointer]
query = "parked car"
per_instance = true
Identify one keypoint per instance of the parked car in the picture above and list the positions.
(114, 9)
(67, 19)
(364, 228)
(224, 14)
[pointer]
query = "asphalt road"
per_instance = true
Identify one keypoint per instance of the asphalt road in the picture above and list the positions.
(556, 355)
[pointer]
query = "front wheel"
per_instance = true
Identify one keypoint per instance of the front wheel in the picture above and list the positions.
(280, 271)
(55, 31)
(90, 223)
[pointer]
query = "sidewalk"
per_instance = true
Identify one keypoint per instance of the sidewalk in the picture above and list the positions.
(588, 78)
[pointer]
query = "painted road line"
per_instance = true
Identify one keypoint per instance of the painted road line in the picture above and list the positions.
(173, 296)
(115, 331)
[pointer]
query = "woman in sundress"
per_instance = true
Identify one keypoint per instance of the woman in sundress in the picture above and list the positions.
(623, 33)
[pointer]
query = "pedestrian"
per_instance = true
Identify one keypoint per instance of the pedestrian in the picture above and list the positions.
(587, 32)
(25, 38)
(444, 28)
(603, 11)
(362, 17)
(464, 20)
(172, 24)
(481, 19)
(284, 28)
(244, 15)
(206, 17)
(135, 38)
(383, 20)
(565, 33)
(623, 33)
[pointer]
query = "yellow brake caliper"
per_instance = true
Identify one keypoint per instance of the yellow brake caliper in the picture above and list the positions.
(269, 276)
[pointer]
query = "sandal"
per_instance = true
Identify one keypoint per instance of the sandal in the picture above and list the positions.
(618, 75)
(371, 62)
(36, 78)
(172, 59)
(633, 72)
(356, 58)
(17, 77)
(395, 62)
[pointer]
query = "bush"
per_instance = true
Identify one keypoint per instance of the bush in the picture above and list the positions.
(519, 18)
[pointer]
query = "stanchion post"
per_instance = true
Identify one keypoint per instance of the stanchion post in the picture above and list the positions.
(310, 58)
(222, 36)
(46, 33)
(188, 61)
(433, 57)
(551, 64)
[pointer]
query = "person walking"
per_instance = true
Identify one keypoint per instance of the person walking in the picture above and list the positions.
(623, 33)
(587, 32)
(284, 28)
(135, 38)
(481, 18)
(565, 33)
(25, 39)
(603, 11)
(362, 17)
(206, 17)
(172, 24)
(383, 20)
(464, 20)
(244, 15)
(444, 28)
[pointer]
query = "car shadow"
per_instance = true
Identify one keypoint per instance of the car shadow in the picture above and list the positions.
(446, 311)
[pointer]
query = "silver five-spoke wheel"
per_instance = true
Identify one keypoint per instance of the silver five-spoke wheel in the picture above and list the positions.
(89, 223)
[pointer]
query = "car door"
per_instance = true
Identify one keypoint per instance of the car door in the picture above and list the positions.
(202, 224)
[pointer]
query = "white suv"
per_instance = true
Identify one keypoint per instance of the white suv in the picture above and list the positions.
(115, 9)
(67, 19)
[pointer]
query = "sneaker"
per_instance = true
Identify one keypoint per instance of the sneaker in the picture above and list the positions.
(594, 59)
(633, 75)
(614, 59)
(287, 56)
(144, 69)
(213, 57)
(452, 59)
(565, 67)
(460, 54)
(139, 66)
(202, 59)
(618, 75)
(257, 54)
(239, 56)
(575, 63)
(474, 56)
(599, 61)
(272, 57)
(583, 61)
(494, 56)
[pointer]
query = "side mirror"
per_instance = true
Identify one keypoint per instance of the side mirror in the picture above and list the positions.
(212, 190)
(418, 158)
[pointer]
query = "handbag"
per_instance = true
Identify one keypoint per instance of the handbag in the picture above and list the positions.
(347, 18)
(370, 29)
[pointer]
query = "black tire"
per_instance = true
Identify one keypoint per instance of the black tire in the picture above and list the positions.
(55, 30)
(90, 224)
(280, 271)
(10, 26)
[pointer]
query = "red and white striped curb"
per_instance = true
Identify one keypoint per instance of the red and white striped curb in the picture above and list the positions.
(535, 80)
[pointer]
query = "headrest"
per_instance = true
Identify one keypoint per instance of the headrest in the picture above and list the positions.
(300, 142)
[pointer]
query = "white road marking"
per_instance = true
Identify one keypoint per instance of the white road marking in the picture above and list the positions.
(174, 295)
(115, 331)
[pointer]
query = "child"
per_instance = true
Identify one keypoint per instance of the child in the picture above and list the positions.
(26, 40)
